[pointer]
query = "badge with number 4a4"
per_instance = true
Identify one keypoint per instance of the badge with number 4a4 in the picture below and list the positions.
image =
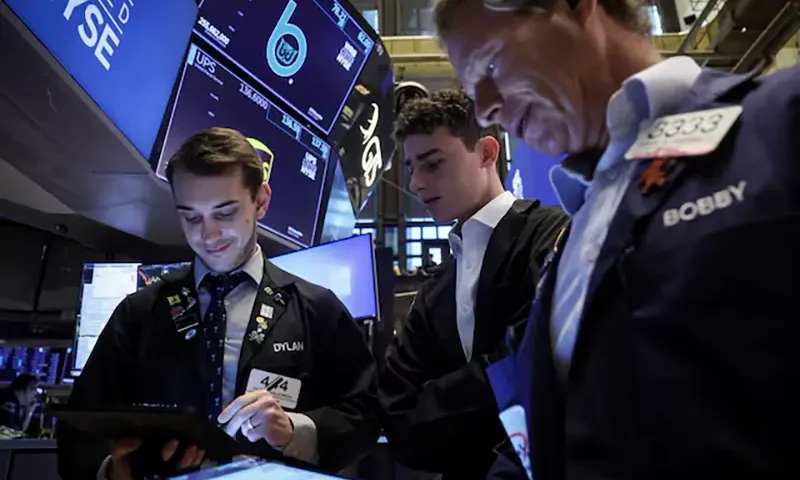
(286, 390)
(684, 135)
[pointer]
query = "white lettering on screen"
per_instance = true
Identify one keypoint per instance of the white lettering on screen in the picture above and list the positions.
(102, 26)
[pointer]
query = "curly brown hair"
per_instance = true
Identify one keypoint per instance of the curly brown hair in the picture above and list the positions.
(631, 14)
(450, 108)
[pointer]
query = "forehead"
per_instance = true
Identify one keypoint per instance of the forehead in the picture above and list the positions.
(190, 188)
(473, 33)
(420, 144)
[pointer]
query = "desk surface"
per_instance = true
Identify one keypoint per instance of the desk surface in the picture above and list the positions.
(27, 444)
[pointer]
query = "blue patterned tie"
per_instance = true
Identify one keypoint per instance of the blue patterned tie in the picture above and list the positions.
(218, 287)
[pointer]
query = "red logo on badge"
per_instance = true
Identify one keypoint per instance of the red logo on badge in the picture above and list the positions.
(655, 176)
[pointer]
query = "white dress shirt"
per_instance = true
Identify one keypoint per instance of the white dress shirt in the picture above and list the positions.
(652, 93)
(468, 243)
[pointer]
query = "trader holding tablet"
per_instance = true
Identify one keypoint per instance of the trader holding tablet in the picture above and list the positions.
(274, 359)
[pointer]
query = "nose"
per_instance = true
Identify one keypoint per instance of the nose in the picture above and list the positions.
(415, 183)
(210, 230)
(488, 103)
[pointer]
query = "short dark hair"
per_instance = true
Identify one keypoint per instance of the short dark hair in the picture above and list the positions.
(218, 151)
(450, 108)
(631, 14)
(22, 382)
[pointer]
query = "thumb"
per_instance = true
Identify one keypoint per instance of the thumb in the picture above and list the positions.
(121, 448)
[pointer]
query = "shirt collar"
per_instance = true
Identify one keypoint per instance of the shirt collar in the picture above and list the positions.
(254, 267)
(489, 216)
(647, 95)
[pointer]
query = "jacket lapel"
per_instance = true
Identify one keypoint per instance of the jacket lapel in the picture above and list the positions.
(712, 90)
(180, 303)
(494, 276)
(442, 314)
(273, 300)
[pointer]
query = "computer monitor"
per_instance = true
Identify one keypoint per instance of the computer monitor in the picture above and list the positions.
(308, 53)
(295, 159)
(346, 267)
(47, 363)
(103, 287)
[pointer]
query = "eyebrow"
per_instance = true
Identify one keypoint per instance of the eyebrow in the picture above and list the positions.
(220, 205)
(424, 155)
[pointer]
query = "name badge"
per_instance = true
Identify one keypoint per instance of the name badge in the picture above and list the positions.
(286, 390)
(685, 134)
(515, 422)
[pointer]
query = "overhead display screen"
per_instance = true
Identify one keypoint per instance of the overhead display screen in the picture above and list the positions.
(309, 53)
(210, 95)
(125, 54)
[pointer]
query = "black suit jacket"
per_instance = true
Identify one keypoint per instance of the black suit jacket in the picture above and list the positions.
(685, 361)
(141, 358)
(440, 414)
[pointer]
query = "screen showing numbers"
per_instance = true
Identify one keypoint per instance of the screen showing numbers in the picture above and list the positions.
(295, 159)
(309, 53)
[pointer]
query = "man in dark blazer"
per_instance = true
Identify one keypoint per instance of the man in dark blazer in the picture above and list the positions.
(664, 342)
(277, 361)
(440, 413)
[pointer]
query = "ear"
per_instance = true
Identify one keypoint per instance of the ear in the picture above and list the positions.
(263, 197)
(489, 150)
(584, 11)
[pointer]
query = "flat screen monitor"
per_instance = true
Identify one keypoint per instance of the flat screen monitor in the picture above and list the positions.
(125, 54)
(309, 53)
(103, 287)
(346, 267)
(48, 364)
(210, 95)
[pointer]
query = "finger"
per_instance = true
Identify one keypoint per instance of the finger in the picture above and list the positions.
(239, 403)
(169, 450)
(245, 414)
(187, 457)
(260, 418)
(198, 457)
(120, 448)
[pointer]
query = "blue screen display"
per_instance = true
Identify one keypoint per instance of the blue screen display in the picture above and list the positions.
(346, 267)
(125, 54)
(309, 53)
(529, 174)
(210, 95)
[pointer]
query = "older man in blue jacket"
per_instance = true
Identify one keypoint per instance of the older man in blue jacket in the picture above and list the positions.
(664, 342)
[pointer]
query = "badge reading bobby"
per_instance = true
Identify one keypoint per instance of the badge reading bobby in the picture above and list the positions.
(286, 390)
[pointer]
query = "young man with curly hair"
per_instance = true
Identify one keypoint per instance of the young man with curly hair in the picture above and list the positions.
(440, 413)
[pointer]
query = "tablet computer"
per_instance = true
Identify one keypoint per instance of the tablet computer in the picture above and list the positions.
(151, 423)
(256, 470)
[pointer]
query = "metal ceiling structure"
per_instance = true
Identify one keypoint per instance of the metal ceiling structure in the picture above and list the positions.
(743, 35)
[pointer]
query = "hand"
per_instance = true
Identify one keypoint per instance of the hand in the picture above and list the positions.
(258, 415)
(120, 462)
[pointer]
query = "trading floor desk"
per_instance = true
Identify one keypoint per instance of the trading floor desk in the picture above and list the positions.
(28, 459)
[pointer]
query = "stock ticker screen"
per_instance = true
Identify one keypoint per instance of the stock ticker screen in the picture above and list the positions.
(49, 364)
(293, 48)
(103, 287)
(210, 95)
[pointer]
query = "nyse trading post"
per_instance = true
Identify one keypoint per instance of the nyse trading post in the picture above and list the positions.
(295, 159)
(309, 53)
(124, 53)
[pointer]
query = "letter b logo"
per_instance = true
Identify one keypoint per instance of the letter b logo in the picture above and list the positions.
(287, 46)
